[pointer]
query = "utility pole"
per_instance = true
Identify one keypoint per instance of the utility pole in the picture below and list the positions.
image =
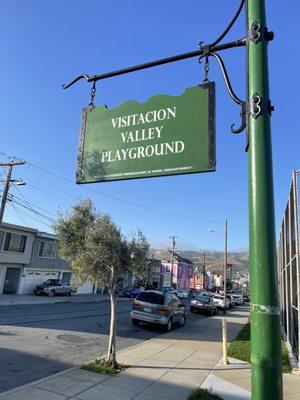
(265, 314)
(204, 268)
(7, 183)
(225, 264)
(172, 262)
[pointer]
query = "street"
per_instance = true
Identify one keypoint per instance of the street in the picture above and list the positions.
(38, 340)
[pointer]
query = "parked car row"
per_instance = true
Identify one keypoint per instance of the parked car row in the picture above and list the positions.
(232, 299)
(130, 292)
(164, 308)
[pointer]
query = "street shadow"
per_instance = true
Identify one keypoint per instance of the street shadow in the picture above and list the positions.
(19, 368)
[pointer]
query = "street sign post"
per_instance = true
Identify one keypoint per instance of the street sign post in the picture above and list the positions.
(265, 314)
(167, 135)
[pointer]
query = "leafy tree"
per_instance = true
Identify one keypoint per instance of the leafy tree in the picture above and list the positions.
(99, 253)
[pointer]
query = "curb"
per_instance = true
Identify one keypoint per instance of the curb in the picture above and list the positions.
(88, 301)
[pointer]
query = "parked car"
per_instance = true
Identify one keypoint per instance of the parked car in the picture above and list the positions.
(219, 301)
(158, 307)
(203, 303)
(131, 293)
(246, 298)
(174, 291)
(230, 300)
(52, 287)
(182, 294)
(202, 292)
(238, 299)
(121, 291)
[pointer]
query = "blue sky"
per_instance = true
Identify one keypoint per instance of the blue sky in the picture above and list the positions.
(46, 43)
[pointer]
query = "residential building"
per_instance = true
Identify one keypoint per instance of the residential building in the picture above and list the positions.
(177, 272)
(28, 258)
(15, 253)
(198, 281)
(44, 263)
(155, 273)
(219, 281)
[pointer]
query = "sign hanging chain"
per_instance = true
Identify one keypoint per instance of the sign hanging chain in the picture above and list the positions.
(93, 94)
(206, 63)
(206, 70)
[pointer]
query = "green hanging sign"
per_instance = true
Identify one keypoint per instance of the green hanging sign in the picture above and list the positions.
(167, 135)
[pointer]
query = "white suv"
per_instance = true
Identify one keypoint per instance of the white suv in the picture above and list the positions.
(237, 299)
(219, 301)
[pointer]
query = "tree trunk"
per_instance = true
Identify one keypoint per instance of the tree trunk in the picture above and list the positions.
(111, 354)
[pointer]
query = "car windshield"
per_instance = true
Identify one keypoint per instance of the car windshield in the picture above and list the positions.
(204, 299)
(151, 297)
(51, 282)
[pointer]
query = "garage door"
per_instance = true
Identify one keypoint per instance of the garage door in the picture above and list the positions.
(33, 278)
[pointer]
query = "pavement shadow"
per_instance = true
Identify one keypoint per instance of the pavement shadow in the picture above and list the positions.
(18, 368)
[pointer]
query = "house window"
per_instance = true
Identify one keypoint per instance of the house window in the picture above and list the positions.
(47, 249)
(2, 234)
(14, 242)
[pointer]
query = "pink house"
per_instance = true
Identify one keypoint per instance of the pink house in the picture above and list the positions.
(183, 270)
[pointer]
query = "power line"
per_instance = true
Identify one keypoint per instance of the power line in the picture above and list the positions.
(135, 204)
(33, 205)
(37, 219)
(28, 207)
(128, 201)
(19, 215)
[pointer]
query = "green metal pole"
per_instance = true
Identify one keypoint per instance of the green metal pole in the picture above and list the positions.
(265, 323)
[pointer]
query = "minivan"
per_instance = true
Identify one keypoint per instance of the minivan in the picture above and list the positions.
(157, 307)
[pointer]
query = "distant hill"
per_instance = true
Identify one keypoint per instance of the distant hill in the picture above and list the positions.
(213, 258)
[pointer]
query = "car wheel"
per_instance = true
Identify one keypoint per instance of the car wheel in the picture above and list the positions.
(192, 309)
(51, 293)
(169, 325)
(182, 321)
(135, 322)
(71, 292)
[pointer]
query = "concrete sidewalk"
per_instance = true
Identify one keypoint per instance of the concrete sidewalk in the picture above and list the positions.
(233, 382)
(23, 299)
(165, 368)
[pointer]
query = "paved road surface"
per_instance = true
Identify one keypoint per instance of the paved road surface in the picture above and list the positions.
(42, 339)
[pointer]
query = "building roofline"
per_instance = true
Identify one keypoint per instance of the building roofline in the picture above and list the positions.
(47, 235)
(18, 227)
